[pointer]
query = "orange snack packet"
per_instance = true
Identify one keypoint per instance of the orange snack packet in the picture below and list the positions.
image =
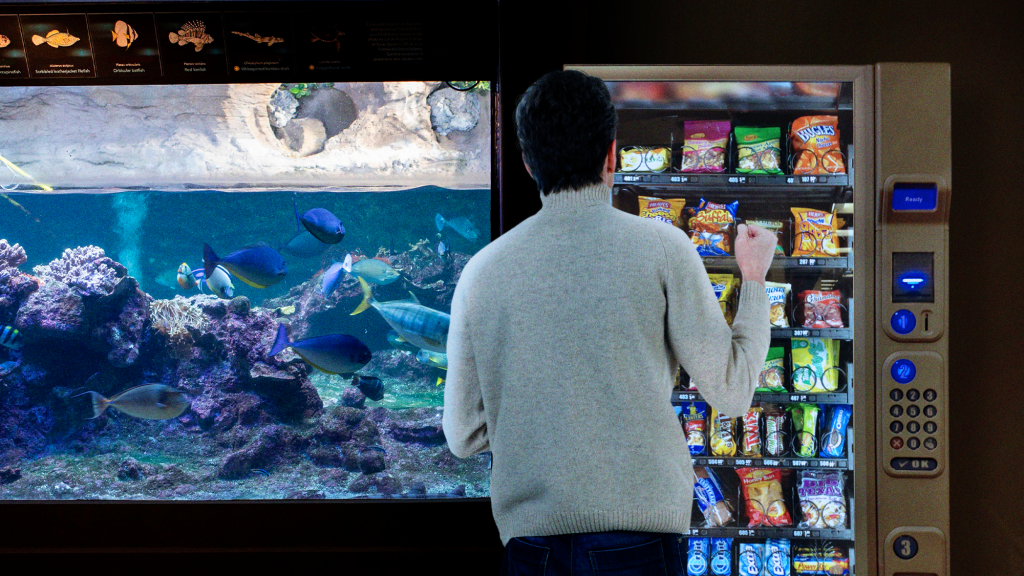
(815, 144)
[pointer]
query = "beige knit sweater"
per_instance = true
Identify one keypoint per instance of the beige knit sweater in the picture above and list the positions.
(565, 334)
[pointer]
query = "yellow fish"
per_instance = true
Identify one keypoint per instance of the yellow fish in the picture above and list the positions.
(4, 41)
(123, 34)
(149, 401)
(55, 39)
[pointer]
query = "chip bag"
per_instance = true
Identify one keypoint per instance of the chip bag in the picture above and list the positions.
(815, 364)
(814, 233)
(777, 227)
(726, 288)
(762, 491)
(815, 146)
(821, 309)
(711, 225)
(704, 145)
(773, 372)
(822, 499)
(778, 294)
(644, 159)
(758, 150)
(668, 210)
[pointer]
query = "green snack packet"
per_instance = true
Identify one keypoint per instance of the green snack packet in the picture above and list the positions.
(815, 363)
(773, 372)
(805, 424)
(758, 150)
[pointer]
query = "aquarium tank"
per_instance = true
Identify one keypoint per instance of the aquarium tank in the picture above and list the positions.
(235, 291)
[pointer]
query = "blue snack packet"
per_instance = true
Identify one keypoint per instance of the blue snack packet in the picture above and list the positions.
(750, 559)
(697, 557)
(777, 557)
(720, 563)
(833, 442)
(708, 492)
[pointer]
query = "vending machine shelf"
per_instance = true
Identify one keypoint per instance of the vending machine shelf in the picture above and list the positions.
(678, 397)
(798, 263)
(834, 333)
(772, 532)
(783, 462)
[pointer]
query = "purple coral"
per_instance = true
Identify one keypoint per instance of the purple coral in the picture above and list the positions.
(14, 284)
(86, 268)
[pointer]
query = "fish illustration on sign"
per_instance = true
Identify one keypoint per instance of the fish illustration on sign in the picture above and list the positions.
(194, 32)
(4, 41)
(258, 265)
(123, 34)
(418, 325)
(149, 401)
(332, 354)
(56, 39)
(268, 40)
(460, 224)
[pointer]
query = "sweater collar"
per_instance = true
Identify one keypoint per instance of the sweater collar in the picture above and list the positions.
(592, 195)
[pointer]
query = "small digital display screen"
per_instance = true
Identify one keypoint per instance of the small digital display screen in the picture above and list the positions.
(913, 277)
(914, 197)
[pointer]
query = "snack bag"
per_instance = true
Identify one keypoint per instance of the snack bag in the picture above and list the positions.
(695, 425)
(762, 491)
(805, 428)
(776, 557)
(720, 562)
(750, 558)
(773, 371)
(723, 434)
(665, 209)
(821, 558)
(815, 362)
(644, 159)
(774, 430)
(821, 309)
(777, 227)
(750, 437)
(778, 294)
(697, 557)
(814, 233)
(758, 150)
(833, 441)
(707, 490)
(704, 144)
(822, 499)
(815, 145)
(725, 286)
(711, 225)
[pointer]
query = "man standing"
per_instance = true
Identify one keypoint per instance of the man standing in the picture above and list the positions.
(565, 335)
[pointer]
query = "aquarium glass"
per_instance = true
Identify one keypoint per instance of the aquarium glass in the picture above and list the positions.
(235, 291)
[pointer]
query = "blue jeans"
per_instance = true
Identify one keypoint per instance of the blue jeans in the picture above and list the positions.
(596, 554)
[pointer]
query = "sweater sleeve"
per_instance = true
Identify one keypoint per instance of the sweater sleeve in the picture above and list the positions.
(464, 421)
(724, 362)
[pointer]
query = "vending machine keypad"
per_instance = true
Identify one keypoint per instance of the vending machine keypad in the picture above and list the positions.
(912, 439)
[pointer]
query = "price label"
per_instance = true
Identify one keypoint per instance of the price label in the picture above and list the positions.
(799, 533)
(679, 179)
(800, 463)
(715, 462)
(801, 333)
(737, 179)
(828, 463)
(632, 178)
(773, 463)
(746, 532)
(809, 179)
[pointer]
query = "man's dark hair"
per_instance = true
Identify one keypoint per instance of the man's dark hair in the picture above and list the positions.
(565, 122)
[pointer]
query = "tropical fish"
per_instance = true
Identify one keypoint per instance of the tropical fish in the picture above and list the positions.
(331, 278)
(441, 249)
(333, 353)
(123, 34)
(194, 32)
(258, 265)
(323, 225)
(11, 338)
(371, 269)
(398, 342)
(268, 40)
(371, 386)
(4, 41)
(435, 359)
(186, 279)
(460, 224)
(55, 39)
(303, 244)
(420, 326)
(219, 282)
(149, 401)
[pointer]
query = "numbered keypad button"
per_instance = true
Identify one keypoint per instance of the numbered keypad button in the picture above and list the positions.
(930, 411)
(913, 395)
(913, 443)
(930, 395)
(913, 411)
(896, 426)
(930, 427)
(913, 427)
(896, 394)
(896, 411)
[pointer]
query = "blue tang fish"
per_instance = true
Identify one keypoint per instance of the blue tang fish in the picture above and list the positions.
(460, 224)
(418, 325)
(302, 244)
(258, 266)
(11, 338)
(333, 353)
(331, 279)
(322, 224)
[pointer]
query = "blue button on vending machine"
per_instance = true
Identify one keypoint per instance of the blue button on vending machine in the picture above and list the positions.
(903, 371)
(903, 322)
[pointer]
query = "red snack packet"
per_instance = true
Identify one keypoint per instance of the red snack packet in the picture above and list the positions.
(762, 492)
(821, 309)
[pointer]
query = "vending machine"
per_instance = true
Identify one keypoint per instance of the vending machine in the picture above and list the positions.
(841, 464)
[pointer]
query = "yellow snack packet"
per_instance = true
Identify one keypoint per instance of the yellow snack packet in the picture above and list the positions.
(665, 209)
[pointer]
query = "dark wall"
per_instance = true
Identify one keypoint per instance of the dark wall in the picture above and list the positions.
(981, 42)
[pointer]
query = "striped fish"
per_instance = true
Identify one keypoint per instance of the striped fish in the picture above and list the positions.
(418, 325)
(11, 338)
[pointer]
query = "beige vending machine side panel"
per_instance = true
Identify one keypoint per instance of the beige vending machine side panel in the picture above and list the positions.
(912, 186)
